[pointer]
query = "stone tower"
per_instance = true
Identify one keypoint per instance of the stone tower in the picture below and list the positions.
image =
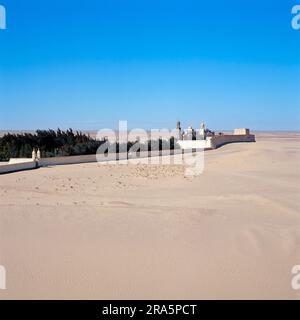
(178, 130)
(202, 134)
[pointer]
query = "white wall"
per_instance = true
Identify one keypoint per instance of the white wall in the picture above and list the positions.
(218, 141)
(241, 131)
(215, 141)
(66, 160)
(194, 144)
(19, 160)
(44, 162)
(7, 168)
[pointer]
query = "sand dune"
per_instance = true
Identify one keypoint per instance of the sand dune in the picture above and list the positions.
(146, 232)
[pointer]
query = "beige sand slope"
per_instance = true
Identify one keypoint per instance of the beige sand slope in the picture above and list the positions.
(90, 231)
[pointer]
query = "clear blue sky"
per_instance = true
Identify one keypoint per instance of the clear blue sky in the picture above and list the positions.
(87, 64)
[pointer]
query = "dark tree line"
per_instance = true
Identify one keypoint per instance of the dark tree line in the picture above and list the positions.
(50, 142)
(66, 143)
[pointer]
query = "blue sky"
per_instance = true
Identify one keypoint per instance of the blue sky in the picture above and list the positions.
(87, 64)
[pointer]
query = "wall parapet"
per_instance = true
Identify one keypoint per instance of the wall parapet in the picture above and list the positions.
(218, 141)
(15, 167)
(44, 162)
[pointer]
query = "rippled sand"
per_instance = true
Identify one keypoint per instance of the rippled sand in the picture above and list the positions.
(145, 232)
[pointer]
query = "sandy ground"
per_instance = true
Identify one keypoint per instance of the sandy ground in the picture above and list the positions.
(148, 232)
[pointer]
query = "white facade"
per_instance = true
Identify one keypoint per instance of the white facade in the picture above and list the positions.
(242, 131)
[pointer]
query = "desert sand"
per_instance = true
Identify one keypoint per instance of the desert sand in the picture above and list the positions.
(91, 231)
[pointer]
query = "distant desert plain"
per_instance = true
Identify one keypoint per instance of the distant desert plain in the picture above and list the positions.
(91, 231)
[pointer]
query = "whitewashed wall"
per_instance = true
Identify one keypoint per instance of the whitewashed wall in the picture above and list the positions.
(215, 141)
(8, 168)
(19, 160)
(218, 141)
(44, 162)
(195, 144)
